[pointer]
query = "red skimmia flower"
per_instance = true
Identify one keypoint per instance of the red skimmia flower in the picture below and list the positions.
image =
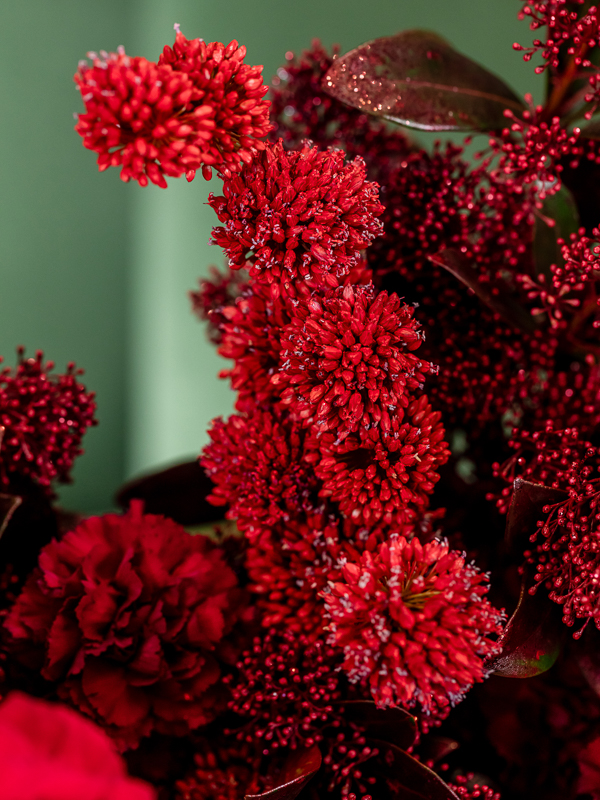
(43, 418)
(234, 91)
(347, 360)
(414, 623)
(127, 614)
(49, 751)
(301, 215)
(382, 473)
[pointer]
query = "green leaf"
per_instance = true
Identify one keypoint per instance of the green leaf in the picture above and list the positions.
(561, 209)
(417, 79)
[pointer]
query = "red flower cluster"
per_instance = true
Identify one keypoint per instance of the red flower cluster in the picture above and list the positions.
(200, 106)
(43, 418)
(413, 623)
(299, 215)
(382, 473)
(48, 751)
(126, 615)
(466, 788)
(347, 360)
(215, 294)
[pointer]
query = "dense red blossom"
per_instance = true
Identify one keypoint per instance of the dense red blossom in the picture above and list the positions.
(382, 474)
(347, 360)
(565, 25)
(49, 751)
(213, 296)
(414, 624)
(297, 216)
(256, 462)
(234, 91)
(139, 116)
(43, 418)
(126, 615)
(251, 337)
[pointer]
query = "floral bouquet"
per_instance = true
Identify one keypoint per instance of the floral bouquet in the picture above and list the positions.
(382, 577)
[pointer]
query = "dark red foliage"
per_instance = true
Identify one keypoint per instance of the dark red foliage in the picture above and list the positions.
(301, 215)
(43, 418)
(126, 616)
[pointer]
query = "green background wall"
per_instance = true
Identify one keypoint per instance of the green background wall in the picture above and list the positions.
(97, 271)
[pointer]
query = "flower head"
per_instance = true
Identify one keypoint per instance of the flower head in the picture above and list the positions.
(233, 90)
(297, 216)
(414, 623)
(56, 753)
(43, 418)
(382, 473)
(347, 359)
(141, 117)
(126, 614)
(213, 296)
(256, 462)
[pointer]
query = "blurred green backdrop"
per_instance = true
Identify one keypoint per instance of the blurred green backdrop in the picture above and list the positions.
(97, 271)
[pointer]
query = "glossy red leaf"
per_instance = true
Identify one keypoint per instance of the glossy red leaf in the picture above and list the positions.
(526, 509)
(178, 492)
(392, 725)
(298, 770)
(8, 505)
(532, 639)
(410, 779)
(417, 79)
(496, 297)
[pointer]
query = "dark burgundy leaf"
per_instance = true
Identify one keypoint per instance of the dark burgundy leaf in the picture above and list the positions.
(561, 209)
(8, 505)
(178, 492)
(392, 725)
(299, 769)
(417, 79)
(588, 657)
(434, 749)
(591, 130)
(410, 779)
(496, 297)
(526, 509)
(532, 639)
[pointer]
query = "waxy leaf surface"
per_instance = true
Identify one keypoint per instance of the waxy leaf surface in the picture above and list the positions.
(532, 639)
(392, 725)
(496, 297)
(527, 509)
(299, 769)
(410, 779)
(417, 79)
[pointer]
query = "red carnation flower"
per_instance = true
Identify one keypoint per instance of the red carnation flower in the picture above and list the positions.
(126, 614)
(414, 624)
(297, 215)
(48, 751)
(346, 359)
(234, 91)
(140, 116)
(257, 465)
(382, 473)
(43, 418)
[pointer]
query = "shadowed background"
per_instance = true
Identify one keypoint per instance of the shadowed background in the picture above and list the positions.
(97, 271)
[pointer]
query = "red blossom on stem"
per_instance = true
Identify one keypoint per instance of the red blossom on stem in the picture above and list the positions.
(234, 91)
(297, 216)
(413, 623)
(382, 474)
(126, 615)
(213, 296)
(467, 789)
(43, 418)
(347, 360)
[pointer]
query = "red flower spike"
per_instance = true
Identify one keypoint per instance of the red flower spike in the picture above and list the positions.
(139, 116)
(382, 474)
(257, 464)
(43, 418)
(414, 623)
(126, 615)
(50, 751)
(221, 81)
(297, 216)
(210, 300)
(347, 360)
